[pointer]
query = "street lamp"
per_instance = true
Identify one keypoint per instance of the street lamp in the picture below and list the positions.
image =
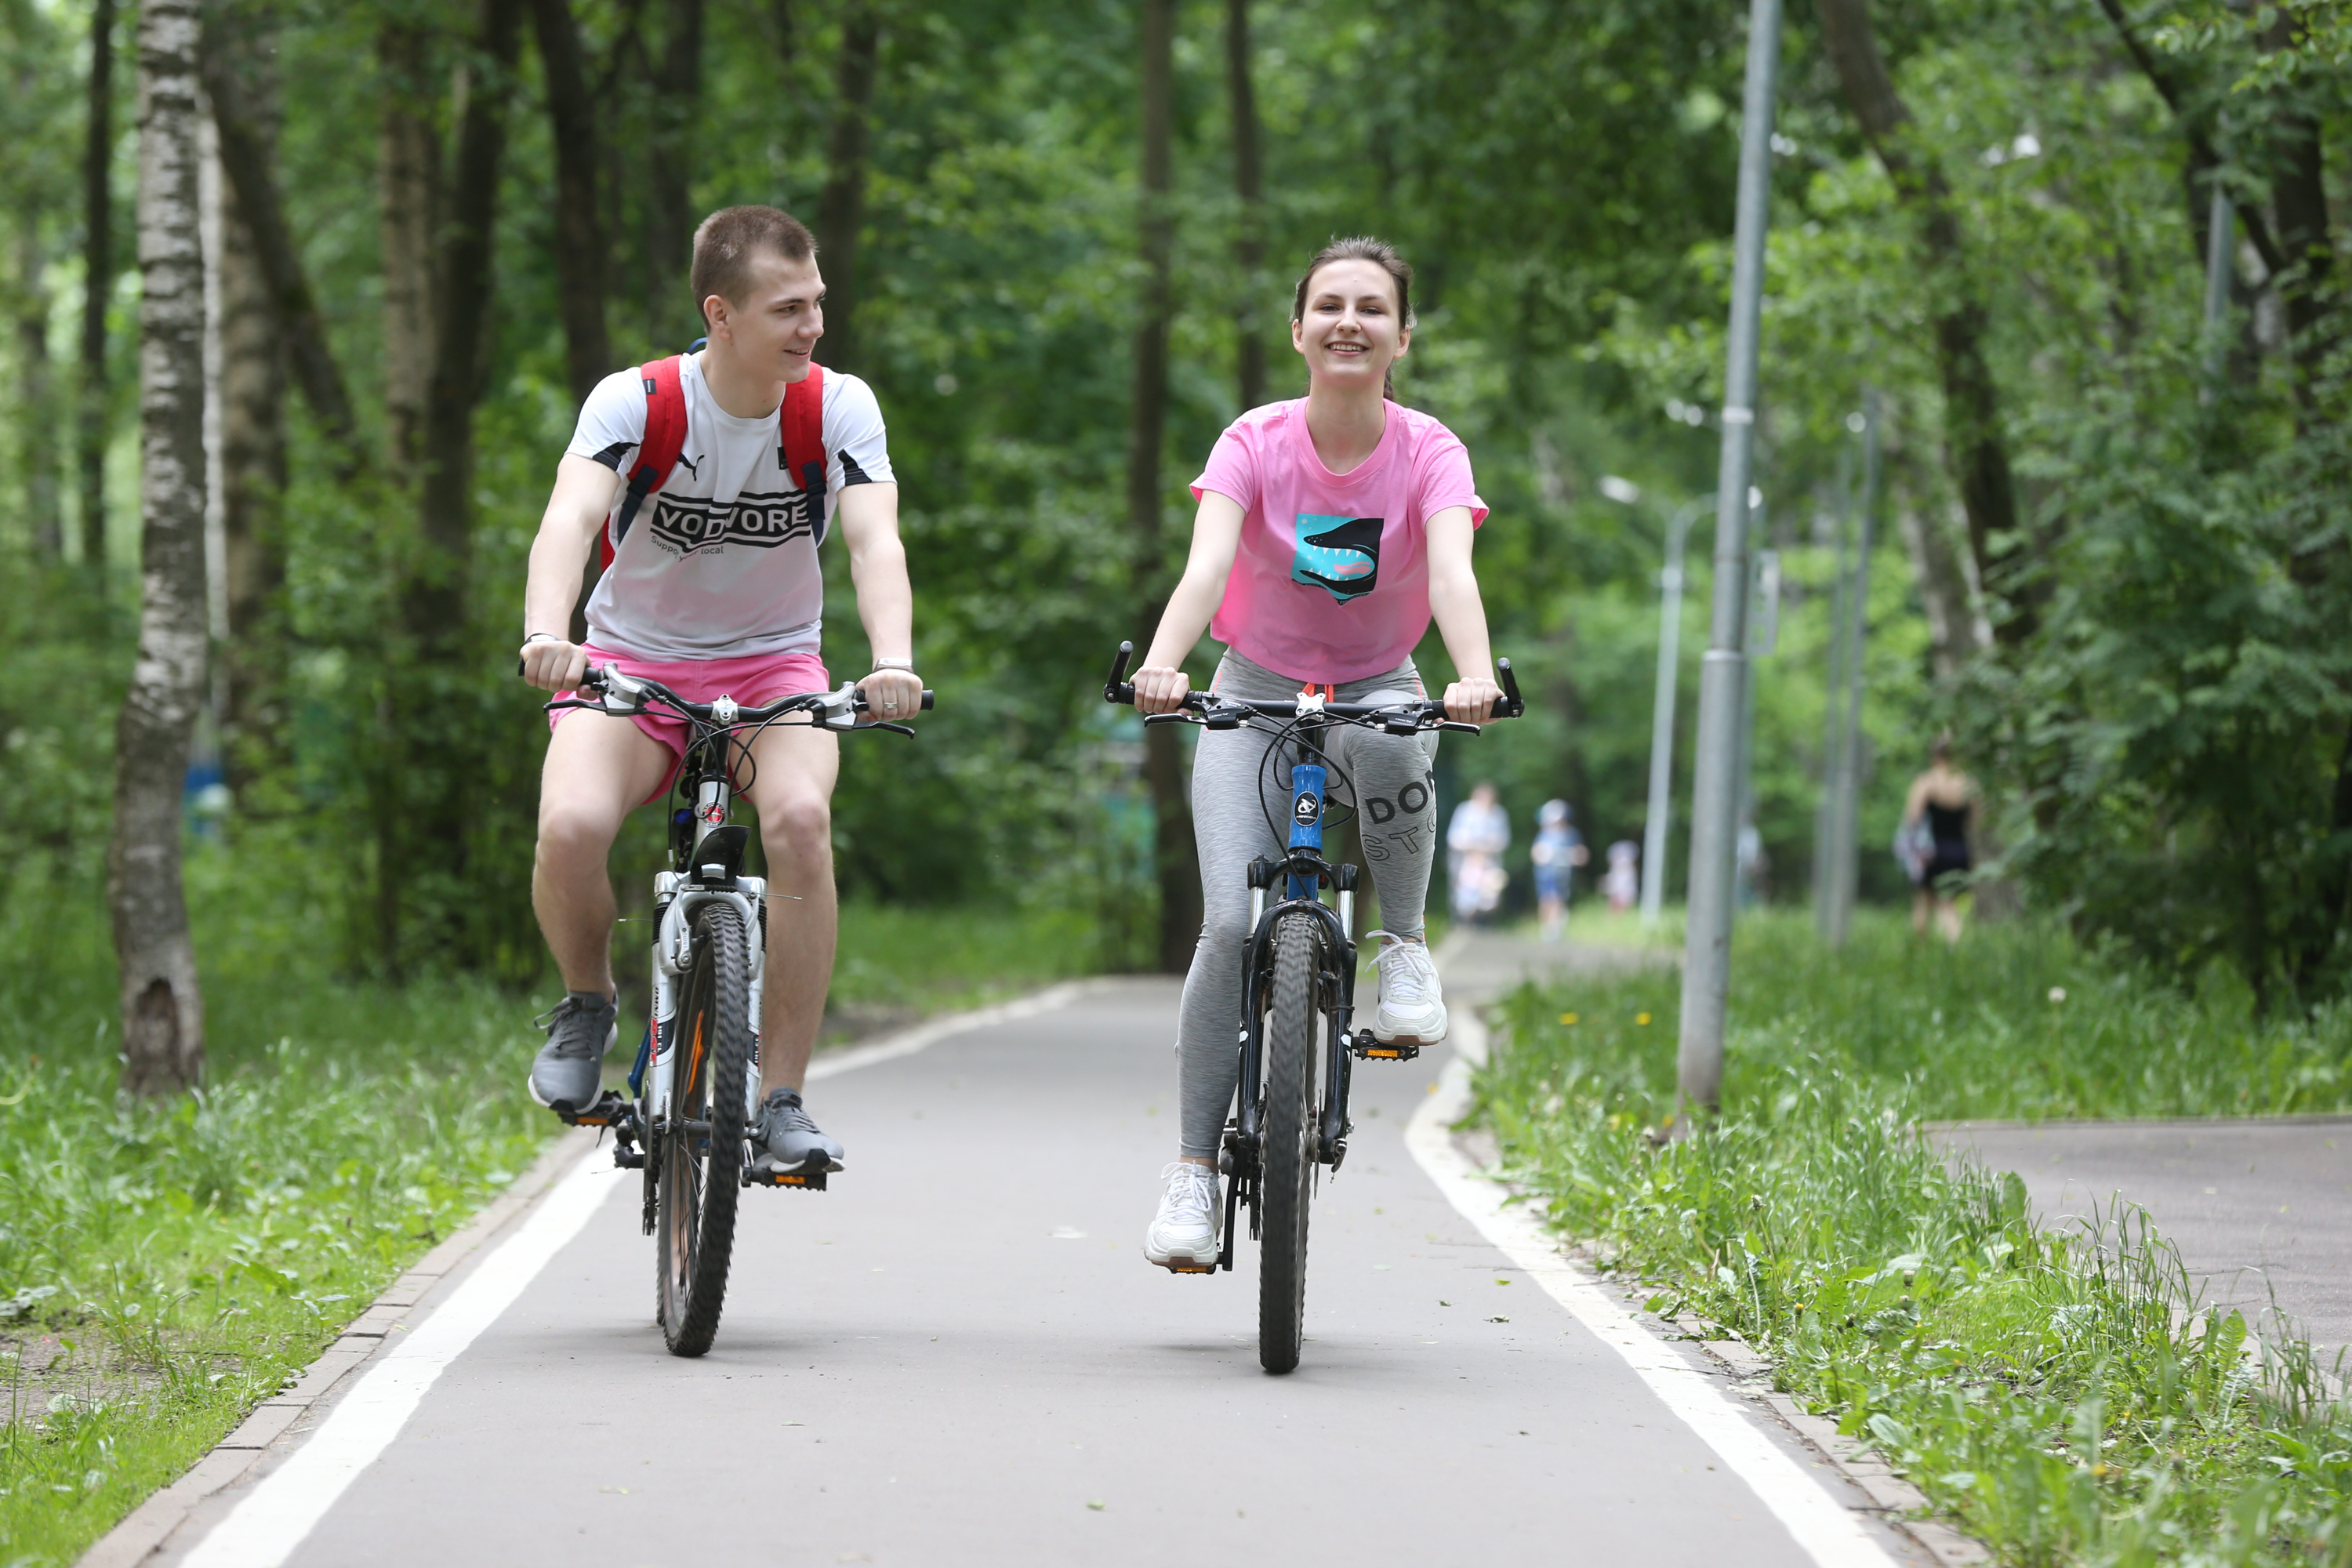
(1662, 711)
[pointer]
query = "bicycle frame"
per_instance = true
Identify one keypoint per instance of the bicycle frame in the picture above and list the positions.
(706, 852)
(1304, 874)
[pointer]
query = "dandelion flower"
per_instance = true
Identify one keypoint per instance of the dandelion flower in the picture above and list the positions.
(1642, 1018)
(1567, 1017)
(2057, 993)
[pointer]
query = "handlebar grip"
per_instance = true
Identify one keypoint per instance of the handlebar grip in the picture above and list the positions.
(857, 701)
(1512, 706)
(1118, 688)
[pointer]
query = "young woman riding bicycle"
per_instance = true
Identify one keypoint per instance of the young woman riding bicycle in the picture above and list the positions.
(1331, 529)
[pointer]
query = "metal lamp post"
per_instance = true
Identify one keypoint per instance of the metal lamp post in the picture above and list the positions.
(1715, 804)
(1662, 713)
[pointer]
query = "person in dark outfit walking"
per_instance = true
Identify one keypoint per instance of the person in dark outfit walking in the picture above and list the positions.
(1945, 799)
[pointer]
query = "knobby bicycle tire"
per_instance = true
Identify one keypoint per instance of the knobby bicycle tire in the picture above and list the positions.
(1285, 1141)
(701, 1176)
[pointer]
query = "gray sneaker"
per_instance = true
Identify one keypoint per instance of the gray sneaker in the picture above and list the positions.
(786, 1140)
(569, 1072)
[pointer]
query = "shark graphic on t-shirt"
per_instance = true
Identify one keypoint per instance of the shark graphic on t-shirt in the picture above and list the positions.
(1340, 555)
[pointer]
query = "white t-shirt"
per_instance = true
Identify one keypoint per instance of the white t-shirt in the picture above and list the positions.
(721, 560)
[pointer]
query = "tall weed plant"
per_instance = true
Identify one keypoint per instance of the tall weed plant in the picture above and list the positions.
(2060, 1393)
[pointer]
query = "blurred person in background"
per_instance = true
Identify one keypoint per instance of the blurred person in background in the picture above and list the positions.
(1621, 883)
(1557, 850)
(1941, 811)
(1479, 834)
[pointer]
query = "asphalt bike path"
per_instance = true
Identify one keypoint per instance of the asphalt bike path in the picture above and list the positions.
(2255, 1206)
(957, 1356)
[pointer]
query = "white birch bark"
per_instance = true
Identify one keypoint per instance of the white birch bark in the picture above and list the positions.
(163, 1011)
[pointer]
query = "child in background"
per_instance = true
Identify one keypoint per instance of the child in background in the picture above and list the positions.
(1621, 883)
(1557, 852)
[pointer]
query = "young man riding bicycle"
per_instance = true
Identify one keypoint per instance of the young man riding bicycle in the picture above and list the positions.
(712, 586)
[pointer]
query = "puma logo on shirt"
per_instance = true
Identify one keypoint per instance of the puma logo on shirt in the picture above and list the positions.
(1340, 555)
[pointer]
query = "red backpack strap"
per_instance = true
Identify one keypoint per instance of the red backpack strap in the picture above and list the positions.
(801, 442)
(657, 454)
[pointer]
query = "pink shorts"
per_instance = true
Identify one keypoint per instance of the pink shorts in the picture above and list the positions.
(751, 679)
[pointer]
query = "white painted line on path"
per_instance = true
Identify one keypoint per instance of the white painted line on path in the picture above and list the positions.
(1825, 1529)
(283, 1508)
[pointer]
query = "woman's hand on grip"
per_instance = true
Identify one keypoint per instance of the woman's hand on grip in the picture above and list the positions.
(1160, 688)
(1472, 701)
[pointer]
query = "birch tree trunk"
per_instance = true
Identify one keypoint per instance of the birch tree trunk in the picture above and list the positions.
(1174, 858)
(98, 290)
(252, 422)
(163, 1013)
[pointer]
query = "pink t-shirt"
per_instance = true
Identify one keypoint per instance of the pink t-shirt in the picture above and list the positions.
(1331, 582)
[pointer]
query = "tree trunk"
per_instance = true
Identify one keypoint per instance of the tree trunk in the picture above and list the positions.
(1249, 243)
(163, 1013)
(840, 208)
(1976, 447)
(408, 174)
(580, 259)
(246, 155)
(97, 287)
(677, 97)
(36, 419)
(2299, 199)
(426, 777)
(252, 419)
(1173, 855)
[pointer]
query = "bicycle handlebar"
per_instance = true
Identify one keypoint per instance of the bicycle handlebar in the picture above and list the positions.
(1423, 715)
(835, 709)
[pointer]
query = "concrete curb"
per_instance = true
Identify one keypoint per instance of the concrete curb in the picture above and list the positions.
(153, 1523)
(1904, 1507)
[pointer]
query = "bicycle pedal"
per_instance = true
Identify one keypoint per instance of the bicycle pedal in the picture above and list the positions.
(609, 1110)
(1370, 1048)
(1190, 1267)
(803, 1181)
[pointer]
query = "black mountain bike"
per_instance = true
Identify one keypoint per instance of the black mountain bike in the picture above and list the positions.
(1299, 987)
(693, 1090)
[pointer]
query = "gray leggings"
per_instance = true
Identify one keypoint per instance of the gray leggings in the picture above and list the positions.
(1396, 818)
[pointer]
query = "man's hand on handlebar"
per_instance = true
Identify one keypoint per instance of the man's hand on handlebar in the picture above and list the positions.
(1472, 701)
(553, 665)
(1160, 690)
(895, 695)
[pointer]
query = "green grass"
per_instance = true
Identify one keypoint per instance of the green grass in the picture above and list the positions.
(2061, 1399)
(166, 1267)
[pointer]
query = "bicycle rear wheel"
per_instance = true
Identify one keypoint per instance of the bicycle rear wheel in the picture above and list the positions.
(702, 1142)
(1286, 1143)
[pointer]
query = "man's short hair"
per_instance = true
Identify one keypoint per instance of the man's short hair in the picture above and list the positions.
(729, 238)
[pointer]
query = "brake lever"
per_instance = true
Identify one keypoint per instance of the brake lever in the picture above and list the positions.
(1457, 727)
(886, 724)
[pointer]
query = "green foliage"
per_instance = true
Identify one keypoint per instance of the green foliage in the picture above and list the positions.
(2055, 1392)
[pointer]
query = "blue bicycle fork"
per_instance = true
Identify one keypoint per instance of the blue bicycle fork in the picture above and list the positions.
(1308, 782)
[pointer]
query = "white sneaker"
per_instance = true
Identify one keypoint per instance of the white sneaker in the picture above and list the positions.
(1413, 1004)
(1183, 1234)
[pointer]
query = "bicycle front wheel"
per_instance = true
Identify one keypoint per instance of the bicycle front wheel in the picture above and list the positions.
(1286, 1143)
(702, 1140)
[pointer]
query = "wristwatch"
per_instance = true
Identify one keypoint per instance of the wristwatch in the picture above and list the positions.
(894, 664)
